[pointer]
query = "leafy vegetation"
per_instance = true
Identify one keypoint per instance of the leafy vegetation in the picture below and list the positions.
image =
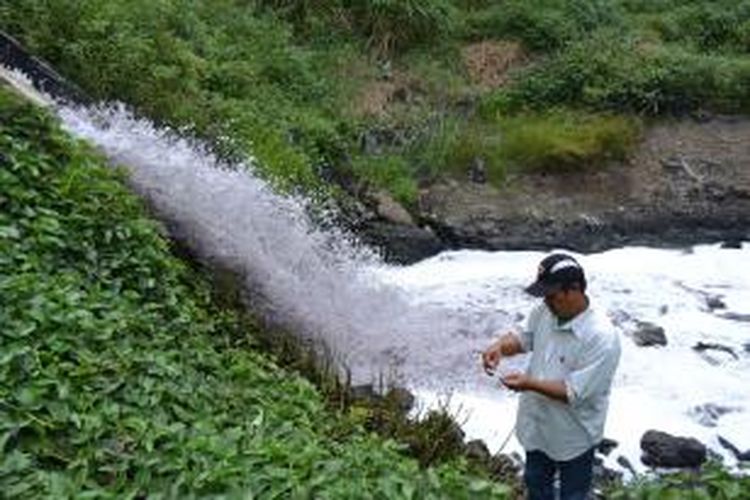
(120, 376)
(712, 482)
(543, 25)
(626, 74)
(554, 141)
(562, 141)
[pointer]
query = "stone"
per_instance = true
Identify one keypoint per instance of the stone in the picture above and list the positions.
(714, 302)
(505, 467)
(664, 450)
(732, 244)
(606, 446)
(391, 210)
(604, 476)
(671, 163)
(625, 464)
(732, 316)
(400, 243)
(706, 346)
(477, 171)
(477, 450)
(401, 398)
(743, 456)
(649, 334)
(619, 317)
(708, 414)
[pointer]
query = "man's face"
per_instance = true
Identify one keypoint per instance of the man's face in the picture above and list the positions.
(558, 303)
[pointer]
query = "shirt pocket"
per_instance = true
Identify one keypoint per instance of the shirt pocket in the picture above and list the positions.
(559, 360)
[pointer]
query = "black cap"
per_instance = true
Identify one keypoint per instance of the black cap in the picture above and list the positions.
(555, 273)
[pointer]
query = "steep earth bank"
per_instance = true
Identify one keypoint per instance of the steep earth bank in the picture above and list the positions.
(688, 182)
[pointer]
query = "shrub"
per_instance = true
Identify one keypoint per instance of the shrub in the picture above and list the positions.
(712, 481)
(391, 173)
(394, 25)
(456, 144)
(216, 68)
(564, 140)
(544, 25)
(709, 26)
(623, 74)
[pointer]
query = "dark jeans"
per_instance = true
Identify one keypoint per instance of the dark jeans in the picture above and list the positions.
(575, 476)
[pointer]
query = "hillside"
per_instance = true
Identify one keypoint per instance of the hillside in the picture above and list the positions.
(123, 376)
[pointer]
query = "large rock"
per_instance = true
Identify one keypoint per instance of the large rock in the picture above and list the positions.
(649, 334)
(606, 445)
(477, 449)
(664, 450)
(401, 243)
(390, 210)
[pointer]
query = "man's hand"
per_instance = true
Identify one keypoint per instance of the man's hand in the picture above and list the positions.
(507, 345)
(491, 358)
(516, 381)
(554, 389)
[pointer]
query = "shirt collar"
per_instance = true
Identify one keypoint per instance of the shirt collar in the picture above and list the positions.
(577, 325)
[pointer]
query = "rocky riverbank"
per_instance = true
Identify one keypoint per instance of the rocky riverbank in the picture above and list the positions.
(688, 182)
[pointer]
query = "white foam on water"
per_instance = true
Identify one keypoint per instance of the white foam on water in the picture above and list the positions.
(659, 388)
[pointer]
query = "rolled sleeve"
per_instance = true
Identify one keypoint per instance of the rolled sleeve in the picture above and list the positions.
(597, 368)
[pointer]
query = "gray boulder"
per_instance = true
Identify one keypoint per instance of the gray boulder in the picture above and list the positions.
(648, 334)
(664, 450)
(477, 449)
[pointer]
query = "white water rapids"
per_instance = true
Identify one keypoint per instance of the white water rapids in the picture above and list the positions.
(428, 322)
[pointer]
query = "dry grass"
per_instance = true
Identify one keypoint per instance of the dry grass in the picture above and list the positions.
(375, 98)
(490, 63)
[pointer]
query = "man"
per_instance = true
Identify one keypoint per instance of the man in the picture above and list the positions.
(565, 390)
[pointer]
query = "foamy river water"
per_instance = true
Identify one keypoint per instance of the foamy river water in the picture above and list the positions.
(664, 387)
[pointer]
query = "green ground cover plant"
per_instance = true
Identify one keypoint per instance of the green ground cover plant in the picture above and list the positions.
(711, 482)
(121, 377)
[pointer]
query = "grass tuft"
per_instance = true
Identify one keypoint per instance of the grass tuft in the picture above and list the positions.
(563, 141)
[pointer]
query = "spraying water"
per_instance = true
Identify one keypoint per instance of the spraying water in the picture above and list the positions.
(318, 282)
